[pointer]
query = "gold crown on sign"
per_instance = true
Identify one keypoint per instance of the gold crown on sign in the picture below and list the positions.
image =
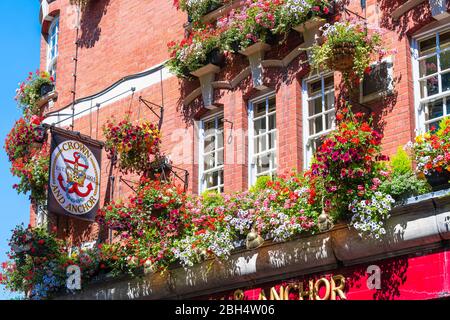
(75, 175)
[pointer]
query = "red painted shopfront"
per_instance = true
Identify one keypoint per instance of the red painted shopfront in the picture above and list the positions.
(414, 277)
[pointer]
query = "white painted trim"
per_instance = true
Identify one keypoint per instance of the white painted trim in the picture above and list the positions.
(251, 135)
(201, 149)
(427, 31)
(51, 62)
(307, 154)
(119, 92)
(419, 110)
(419, 116)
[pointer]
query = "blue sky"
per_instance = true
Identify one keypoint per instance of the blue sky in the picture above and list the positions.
(20, 35)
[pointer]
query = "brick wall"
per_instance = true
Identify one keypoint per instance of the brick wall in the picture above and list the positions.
(124, 37)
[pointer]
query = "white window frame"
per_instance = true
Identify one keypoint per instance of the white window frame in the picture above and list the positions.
(52, 60)
(202, 172)
(388, 90)
(307, 150)
(252, 170)
(419, 103)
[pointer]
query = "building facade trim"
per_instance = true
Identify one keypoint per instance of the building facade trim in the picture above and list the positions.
(117, 91)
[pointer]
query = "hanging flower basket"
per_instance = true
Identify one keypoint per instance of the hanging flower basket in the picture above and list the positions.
(132, 144)
(348, 47)
(343, 57)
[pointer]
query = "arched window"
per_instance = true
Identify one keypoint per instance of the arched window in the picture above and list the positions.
(52, 48)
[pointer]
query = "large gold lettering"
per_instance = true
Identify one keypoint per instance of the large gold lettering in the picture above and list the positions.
(317, 288)
(338, 289)
(274, 294)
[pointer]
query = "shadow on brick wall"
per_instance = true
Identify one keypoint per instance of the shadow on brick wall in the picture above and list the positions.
(90, 20)
(409, 22)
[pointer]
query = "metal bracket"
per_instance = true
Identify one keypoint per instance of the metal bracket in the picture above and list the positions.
(150, 105)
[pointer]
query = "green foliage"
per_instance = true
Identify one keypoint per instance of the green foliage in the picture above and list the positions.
(197, 9)
(403, 182)
(261, 184)
(404, 185)
(212, 199)
(401, 162)
(293, 13)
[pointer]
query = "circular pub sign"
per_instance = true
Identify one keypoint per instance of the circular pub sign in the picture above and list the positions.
(75, 177)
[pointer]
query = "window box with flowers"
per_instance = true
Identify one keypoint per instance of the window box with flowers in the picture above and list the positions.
(304, 17)
(431, 152)
(200, 48)
(196, 9)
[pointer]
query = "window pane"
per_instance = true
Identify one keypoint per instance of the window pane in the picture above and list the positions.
(272, 140)
(445, 81)
(260, 109)
(263, 163)
(445, 60)
(428, 66)
(209, 161)
(220, 139)
(210, 144)
(220, 123)
(260, 144)
(427, 46)
(273, 159)
(314, 87)
(444, 40)
(212, 179)
(315, 125)
(221, 176)
(260, 126)
(329, 120)
(209, 127)
(220, 158)
(272, 122)
(315, 106)
(434, 126)
(434, 109)
(329, 83)
(429, 87)
(272, 104)
(329, 101)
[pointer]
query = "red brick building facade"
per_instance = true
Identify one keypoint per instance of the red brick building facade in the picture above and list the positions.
(121, 51)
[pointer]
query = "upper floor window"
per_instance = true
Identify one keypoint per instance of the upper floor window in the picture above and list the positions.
(262, 138)
(52, 48)
(318, 112)
(212, 154)
(431, 65)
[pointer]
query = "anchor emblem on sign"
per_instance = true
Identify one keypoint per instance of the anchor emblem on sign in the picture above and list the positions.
(76, 176)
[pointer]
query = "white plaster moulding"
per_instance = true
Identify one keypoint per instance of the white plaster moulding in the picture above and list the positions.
(118, 91)
(233, 83)
(310, 31)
